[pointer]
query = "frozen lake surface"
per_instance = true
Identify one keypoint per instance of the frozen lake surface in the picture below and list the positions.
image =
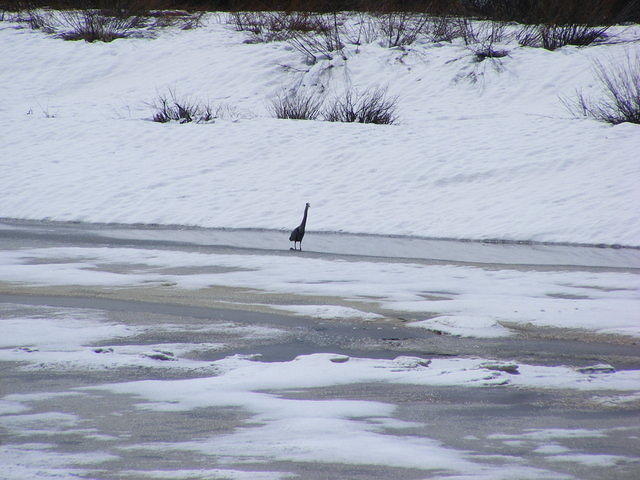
(334, 243)
(146, 353)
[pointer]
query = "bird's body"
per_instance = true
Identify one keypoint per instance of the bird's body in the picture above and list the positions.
(298, 233)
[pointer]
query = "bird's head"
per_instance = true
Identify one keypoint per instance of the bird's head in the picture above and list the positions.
(308, 205)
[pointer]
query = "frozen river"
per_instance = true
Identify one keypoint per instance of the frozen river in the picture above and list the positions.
(145, 353)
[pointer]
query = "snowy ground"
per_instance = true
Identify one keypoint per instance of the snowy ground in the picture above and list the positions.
(482, 150)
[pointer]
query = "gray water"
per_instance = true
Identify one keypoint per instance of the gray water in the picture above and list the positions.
(411, 248)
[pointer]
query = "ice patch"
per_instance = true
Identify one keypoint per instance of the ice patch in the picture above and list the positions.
(60, 328)
(344, 431)
(550, 449)
(104, 358)
(48, 423)
(60, 338)
(617, 400)
(38, 462)
(329, 312)
(464, 326)
(330, 440)
(541, 435)
(478, 301)
(9, 407)
(591, 460)
(207, 473)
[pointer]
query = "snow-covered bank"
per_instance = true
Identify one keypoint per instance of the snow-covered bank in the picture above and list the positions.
(482, 150)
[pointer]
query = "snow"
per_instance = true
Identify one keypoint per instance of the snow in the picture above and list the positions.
(159, 356)
(278, 428)
(57, 329)
(507, 474)
(217, 473)
(53, 423)
(65, 338)
(617, 400)
(343, 441)
(239, 375)
(456, 299)
(472, 326)
(552, 434)
(328, 311)
(350, 431)
(39, 462)
(551, 449)
(482, 150)
(10, 407)
(592, 460)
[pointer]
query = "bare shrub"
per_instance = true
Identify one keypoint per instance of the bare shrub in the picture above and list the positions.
(444, 29)
(467, 31)
(171, 108)
(115, 19)
(621, 101)
(297, 22)
(275, 26)
(556, 36)
(246, 21)
(552, 37)
(364, 30)
(91, 26)
(322, 44)
(373, 106)
(192, 21)
(529, 36)
(485, 35)
(176, 18)
(401, 28)
(297, 105)
(39, 20)
(484, 52)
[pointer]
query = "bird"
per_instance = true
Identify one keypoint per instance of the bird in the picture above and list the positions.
(298, 232)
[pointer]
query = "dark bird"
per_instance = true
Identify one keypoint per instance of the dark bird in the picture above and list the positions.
(298, 232)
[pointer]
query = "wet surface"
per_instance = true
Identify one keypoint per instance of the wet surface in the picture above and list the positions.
(490, 423)
(318, 243)
(357, 338)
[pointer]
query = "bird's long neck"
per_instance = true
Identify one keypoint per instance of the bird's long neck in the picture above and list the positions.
(304, 218)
